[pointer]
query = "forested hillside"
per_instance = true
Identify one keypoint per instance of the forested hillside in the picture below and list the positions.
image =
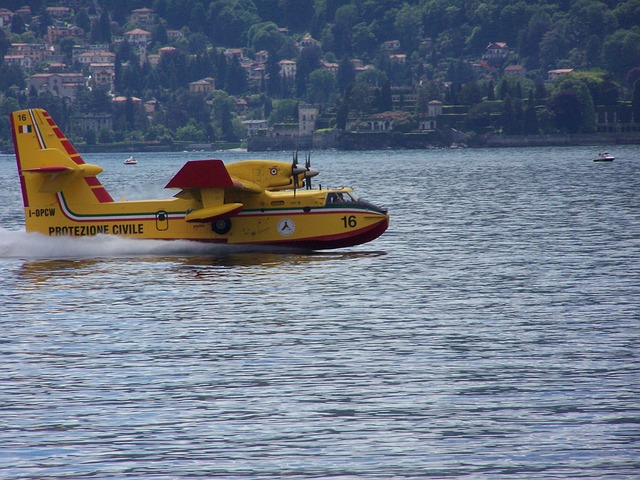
(498, 65)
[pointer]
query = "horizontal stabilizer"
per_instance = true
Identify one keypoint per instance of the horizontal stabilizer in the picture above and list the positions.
(52, 169)
(56, 162)
(58, 176)
(201, 174)
(211, 214)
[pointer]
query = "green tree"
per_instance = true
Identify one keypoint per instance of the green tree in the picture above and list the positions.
(198, 19)
(546, 120)
(43, 21)
(190, 132)
(283, 111)
(342, 39)
(101, 28)
(17, 25)
(513, 18)
(297, 14)
(628, 13)
(593, 51)
(603, 90)
(530, 38)
(308, 61)
(65, 46)
(159, 133)
(222, 108)
(635, 102)
(5, 45)
(632, 76)
(90, 137)
(553, 47)
(364, 39)
(386, 99)
(7, 105)
(346, 74)
(509, 122)
(105, 135)
(322, 86)
(372, 77)
(359, 98)
(347, 15)
(408, 27)
(11, 75)
(198, 43)
(172, 70)
(622, 51)
(273, 75)
(530, 120)
(266, 36)
(478, 117)
(129, 114)
(427, 92)
(159, 35)
(342, 115)
(573, 107)
(236, 78)
(83, 20)
(589, 17)
(470, 94)
(229, 21)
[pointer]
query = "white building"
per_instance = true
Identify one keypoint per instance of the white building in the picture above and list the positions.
(307, 119)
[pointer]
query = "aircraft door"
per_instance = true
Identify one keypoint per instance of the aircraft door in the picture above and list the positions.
(162, 220)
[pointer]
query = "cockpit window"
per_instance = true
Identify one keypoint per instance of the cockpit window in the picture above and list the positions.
(334, 197)
(341, 197)
(350, 197)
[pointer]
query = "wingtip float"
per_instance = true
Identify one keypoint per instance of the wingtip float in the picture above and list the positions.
(252, 202)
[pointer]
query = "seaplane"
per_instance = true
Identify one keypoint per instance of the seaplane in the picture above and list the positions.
(250, 202)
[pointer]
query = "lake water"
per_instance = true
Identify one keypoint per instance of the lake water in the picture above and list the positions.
(491, 332)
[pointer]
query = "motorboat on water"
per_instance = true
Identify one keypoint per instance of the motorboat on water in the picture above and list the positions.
(604, 157)
(131, 160)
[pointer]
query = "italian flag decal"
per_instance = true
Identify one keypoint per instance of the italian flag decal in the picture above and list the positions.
(25, 128)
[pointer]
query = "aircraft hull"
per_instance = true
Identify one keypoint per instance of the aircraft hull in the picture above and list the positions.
(317, 228)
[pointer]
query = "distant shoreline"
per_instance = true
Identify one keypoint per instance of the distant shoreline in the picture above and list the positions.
(425, 140)
(372, 141)
(568, 140)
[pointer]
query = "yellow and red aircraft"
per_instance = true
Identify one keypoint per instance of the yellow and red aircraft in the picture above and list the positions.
(248, 202)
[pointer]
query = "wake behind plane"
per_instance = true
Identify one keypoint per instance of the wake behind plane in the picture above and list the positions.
(251, 202)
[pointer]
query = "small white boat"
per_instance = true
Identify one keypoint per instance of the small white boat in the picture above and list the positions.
(131, 160)
(604, 157)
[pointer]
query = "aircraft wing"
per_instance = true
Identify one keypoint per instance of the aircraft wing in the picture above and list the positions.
(210, 179)
(209, 174)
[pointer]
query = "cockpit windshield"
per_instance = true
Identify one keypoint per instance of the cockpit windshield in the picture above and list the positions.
(350, 199)
(340, 197)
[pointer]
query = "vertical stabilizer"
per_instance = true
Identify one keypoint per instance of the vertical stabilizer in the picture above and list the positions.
(49, 166)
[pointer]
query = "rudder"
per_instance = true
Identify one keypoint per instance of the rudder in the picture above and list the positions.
(49, 166)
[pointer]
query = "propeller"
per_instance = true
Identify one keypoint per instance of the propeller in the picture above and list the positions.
(295, 171)
(306, 171)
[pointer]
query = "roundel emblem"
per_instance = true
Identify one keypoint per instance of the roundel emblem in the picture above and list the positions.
(274, 171)
(286, 227)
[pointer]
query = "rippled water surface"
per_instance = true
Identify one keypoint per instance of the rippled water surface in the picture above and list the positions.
(491, 332)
